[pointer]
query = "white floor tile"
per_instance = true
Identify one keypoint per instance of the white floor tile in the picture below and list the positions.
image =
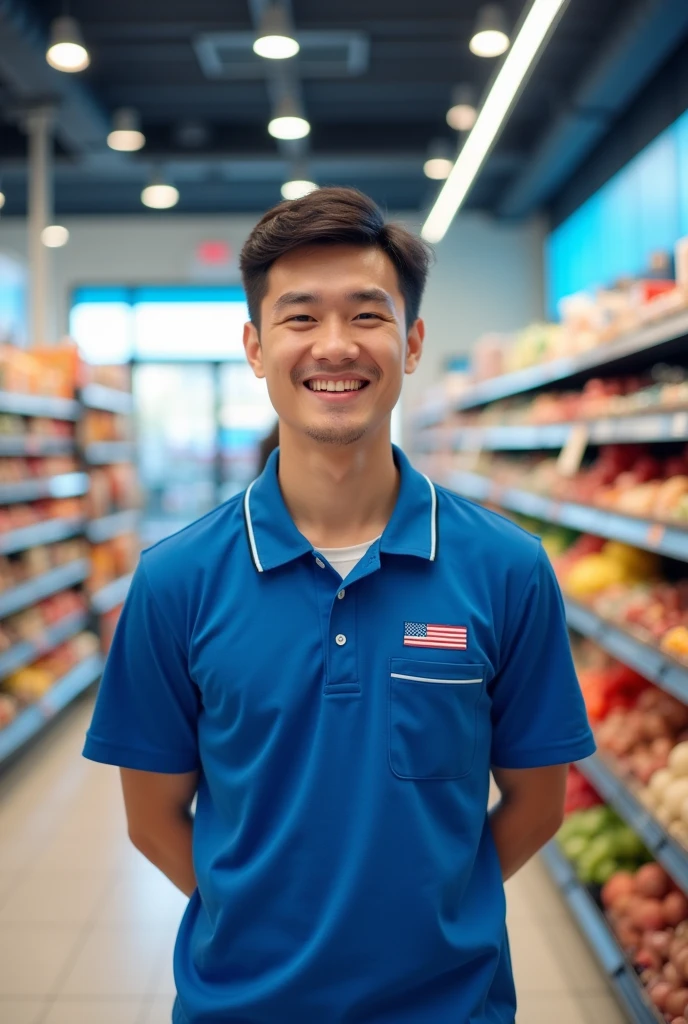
(95, 1011)
(144, 894)
(33, 958)
(54, 897)
(159, 1011)
(550, 1008)
(22, 1011)
(116, 961)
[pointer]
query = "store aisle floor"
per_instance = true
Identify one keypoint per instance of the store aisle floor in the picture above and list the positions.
(87, 926)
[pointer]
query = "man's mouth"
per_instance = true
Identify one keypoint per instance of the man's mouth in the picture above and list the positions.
(335, 385)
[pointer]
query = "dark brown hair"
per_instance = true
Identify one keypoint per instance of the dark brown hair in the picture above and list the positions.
(332, 216)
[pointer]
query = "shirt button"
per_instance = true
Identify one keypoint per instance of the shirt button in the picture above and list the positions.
(340, 639)
(341, 594)
(319, 562)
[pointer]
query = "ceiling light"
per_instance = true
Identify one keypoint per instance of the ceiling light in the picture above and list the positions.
(288, 122)
(297, 188)
(126, 135)
(463, 112)
(159, 195)
(2, 200)
(536, 26)
(439, 162)
(490, 36)
(66, 48)
(54, 236)
(275, 40)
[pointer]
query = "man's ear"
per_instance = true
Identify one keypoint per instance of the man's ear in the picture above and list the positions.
(253, 349)
(414, 346)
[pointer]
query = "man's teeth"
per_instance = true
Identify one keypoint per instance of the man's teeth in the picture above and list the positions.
(335, 385)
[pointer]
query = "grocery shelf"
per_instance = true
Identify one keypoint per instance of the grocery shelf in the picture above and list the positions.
(589, 918)
(658, 340)
(113, 525)
(96, 396)
(39, 533)
(32, 446)
(34, 719)
(641, 533)
(39, 405)
(111, 595)
(614, 791)
(103, 453)
(64, 485)
(25, 653)
(649, 661)
(649, 426)
(43, 586)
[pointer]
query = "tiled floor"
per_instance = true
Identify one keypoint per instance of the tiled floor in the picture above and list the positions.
(87, 926)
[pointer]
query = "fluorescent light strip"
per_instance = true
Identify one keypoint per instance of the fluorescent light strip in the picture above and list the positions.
(494, 112)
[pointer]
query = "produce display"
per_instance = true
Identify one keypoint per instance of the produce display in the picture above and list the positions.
(113, 489)
(15, 517)
(52, 372)
(34, 427)
(599, 844)
(35, 561)
(15, 470)
(30, 624)
(112, 559)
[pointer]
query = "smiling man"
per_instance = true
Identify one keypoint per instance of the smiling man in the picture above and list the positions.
(333, 662)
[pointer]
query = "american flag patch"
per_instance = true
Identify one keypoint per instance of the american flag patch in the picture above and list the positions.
(425, 634)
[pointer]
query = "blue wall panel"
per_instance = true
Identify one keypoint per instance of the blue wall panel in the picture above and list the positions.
(641, 209)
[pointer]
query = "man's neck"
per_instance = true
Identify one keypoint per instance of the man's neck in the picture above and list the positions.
(338, 496)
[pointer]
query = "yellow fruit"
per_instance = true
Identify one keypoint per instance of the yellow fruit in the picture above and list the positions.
(593, 573)
(639, 563)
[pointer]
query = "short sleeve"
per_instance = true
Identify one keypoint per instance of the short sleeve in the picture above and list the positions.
(147, 707)
(538, 714)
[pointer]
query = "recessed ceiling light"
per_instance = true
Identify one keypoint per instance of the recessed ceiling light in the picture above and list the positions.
(54, 236)
(297, 188)
(463, 111)
(439, 162)
(288, 122)
(160, 195)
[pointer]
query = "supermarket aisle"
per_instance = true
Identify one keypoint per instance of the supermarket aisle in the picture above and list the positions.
(87, 926)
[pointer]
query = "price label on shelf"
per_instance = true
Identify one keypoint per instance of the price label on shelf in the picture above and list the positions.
(679, 424)
(654, 535)
(572, 453)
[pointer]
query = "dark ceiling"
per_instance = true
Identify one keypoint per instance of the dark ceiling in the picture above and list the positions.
(371, 125)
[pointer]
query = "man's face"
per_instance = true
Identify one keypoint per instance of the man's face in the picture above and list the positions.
(333, 343)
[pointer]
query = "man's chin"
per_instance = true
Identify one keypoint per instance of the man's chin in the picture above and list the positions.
(336, 436)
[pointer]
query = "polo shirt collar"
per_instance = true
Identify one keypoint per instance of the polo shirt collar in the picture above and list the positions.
(274, 539)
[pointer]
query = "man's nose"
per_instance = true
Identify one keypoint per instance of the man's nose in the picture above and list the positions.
(334, 341)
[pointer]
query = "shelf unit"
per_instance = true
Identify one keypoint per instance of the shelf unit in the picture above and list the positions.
(46, 532)
(24, 653)
(658, 340)
(641, 533)
(650, 426)
(34, 719)
(599, 936)
(648, 660)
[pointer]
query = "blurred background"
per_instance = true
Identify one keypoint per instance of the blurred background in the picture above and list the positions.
(541, 146)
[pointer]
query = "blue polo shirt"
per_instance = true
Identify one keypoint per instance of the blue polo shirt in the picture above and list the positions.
(344, 733)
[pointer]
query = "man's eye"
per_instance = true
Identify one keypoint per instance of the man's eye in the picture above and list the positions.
(301, 318)
(366, 315)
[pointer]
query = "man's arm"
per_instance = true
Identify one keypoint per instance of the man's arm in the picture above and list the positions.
(529, 813)
(160, 823)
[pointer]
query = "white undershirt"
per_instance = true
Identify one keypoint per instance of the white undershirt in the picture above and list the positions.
(346, 559)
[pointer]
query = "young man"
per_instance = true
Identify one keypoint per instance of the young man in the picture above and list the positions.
(333, 662)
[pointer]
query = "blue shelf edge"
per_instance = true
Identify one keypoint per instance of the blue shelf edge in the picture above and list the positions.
(40, 533)
(599, 936)
(24, 653)
(51, 582)
(649, 661)
(35, 718)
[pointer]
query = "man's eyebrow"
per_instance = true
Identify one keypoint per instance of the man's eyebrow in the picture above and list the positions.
(377, 295)
(296, 299)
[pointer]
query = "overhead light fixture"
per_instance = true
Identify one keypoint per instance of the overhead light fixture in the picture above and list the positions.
(439, 162)
(463, 111)
(54, 236)
(66, 48)
(297, 188)
(2, 200)
(536, 26)
(275, 41)
(126, 135)
(490, 36)
(288, 122)
(160, 195)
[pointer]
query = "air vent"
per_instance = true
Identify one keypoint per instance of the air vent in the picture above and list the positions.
(230, 55)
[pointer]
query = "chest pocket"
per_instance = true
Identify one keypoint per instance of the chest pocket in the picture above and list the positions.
(433, 712)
